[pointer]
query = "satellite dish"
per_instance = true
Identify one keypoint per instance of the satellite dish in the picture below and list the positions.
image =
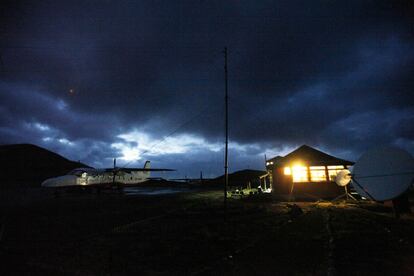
(343, 178)
(383, 173)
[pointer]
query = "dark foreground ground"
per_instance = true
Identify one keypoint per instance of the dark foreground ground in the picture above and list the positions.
(112, 234)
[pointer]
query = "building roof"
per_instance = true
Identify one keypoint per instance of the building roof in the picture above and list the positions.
(270, 162)
(312, 157)
(274, 159)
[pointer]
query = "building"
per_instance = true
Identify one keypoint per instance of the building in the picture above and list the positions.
(306, 172)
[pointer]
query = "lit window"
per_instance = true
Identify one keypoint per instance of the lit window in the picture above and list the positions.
(317, 173)
(333, 171)
(317, 167)
(287, 171)
(335, 167)
(300, 174)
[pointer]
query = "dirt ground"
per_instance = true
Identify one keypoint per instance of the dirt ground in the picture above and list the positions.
(191, 234)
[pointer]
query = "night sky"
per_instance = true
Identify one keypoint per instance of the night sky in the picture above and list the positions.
(144, 80)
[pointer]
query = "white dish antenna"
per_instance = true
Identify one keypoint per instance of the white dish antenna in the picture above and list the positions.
(383, 174)
(343, 178)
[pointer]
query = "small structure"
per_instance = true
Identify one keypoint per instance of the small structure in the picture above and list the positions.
(244, 180)
(306, 172)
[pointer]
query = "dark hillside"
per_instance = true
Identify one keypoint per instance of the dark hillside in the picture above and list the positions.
(29, 165)
(239, 178)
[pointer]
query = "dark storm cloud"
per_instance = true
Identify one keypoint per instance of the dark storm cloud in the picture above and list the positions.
(336, 75)
(26, 104)
(378, 83)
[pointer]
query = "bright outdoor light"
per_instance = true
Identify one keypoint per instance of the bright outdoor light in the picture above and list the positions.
(300, 173)
(287, 171)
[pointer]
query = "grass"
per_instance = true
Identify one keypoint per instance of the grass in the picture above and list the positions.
(111, 234)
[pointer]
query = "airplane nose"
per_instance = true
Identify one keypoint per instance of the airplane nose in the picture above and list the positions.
(49, 182)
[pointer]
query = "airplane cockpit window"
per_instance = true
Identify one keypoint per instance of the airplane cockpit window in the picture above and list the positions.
(82, 172)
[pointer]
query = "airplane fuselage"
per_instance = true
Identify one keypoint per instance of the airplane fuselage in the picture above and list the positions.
(84, 177)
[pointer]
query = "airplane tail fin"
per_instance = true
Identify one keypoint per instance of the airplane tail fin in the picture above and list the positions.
(147, 165)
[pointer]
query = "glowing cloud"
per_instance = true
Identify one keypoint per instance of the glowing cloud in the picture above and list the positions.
(65, 142)
(42, 127)
(136, 144)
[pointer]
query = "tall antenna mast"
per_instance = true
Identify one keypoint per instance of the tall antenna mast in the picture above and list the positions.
(226, 161)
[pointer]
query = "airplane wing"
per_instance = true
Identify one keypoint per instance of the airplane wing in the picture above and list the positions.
(137, 170)
(148, 170)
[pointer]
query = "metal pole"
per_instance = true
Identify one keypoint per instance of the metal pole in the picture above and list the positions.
(2, 68)
(226, 100)
(346, 193)
(113, 173)
(362, 188)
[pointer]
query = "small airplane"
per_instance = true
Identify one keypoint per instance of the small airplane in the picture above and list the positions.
(102, 178)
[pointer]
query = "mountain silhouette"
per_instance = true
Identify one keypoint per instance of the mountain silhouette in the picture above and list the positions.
(29, 165)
